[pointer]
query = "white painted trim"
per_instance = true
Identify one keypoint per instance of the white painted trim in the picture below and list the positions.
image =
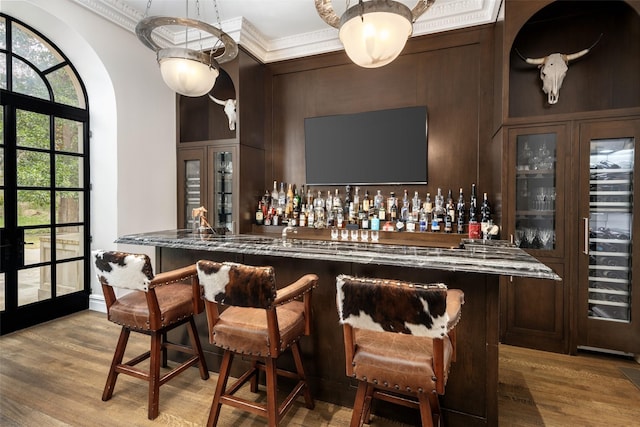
(97, 303)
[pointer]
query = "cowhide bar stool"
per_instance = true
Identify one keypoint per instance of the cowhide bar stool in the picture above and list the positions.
(399, 342)
(156, 305)
(260, 323)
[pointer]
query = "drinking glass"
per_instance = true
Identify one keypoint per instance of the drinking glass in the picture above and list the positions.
(354, 235)
(545, 236)
(334, 233)
(344, 234)
(374, 235)
(530, 236)
(364, 235)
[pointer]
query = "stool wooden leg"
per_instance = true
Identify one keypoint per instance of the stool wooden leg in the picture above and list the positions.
(154, 374)
(366, 409)
(255, 378)
(425, 410)
(223, 377)
(117, 359)
(358, 405)
(434, 404)
(195, 345)
(308, 399)
(272, 392)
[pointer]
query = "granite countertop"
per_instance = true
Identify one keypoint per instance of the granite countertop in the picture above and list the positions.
(488, 258)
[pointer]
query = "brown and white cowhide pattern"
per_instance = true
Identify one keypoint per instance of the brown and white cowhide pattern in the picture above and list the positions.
(237, 284)
(392, 306)
(123, 270)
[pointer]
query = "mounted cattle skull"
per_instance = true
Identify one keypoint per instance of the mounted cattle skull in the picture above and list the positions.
(229, 110)
(553, 69)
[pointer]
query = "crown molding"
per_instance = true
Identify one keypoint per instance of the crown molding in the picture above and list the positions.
(442, 16)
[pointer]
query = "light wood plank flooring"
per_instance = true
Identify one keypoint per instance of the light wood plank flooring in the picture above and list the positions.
(53, 375)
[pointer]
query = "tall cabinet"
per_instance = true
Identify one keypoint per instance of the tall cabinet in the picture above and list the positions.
(220, 168)
(570, 175)
(609, 300)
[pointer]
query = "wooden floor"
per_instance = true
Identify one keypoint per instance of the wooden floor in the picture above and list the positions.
(53, 375)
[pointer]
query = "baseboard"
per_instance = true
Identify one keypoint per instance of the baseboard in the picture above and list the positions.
(97, 303)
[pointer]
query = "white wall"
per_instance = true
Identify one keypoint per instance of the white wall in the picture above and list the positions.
(132, 119)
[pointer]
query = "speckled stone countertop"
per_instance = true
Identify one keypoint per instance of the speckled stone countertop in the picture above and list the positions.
(476, 257)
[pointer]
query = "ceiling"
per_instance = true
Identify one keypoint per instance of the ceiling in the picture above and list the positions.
(275, 30)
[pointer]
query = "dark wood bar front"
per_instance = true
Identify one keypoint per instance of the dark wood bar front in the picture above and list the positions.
(471, 391)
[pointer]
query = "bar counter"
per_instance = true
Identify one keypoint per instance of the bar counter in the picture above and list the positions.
(471, 393)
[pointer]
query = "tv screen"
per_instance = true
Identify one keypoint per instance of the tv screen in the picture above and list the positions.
(374, 147)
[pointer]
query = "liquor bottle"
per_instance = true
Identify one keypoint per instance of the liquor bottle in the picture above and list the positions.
(274, 195)
(259, 214)
(378, 200)
(288, 212)
(449, 213)
(415, 207)
(319, 211)
(338, 210)
(366, 202)
(404, 211)
(302, 217)
(460, 212)
(391, 200)
(473, 205)
(423, 219)
(485, 217)
(309, 197)
(428, 208)
(437, 218)
(282, 201)
(311, 216)
(474, 226)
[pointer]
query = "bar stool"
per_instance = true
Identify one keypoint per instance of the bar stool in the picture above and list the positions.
(260, 322)
(399, 342)
(157, 305)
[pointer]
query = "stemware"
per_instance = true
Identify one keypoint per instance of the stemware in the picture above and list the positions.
(545, 236)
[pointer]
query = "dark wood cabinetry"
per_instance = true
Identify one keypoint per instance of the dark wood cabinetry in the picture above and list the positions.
(600, 91)
(218, 167)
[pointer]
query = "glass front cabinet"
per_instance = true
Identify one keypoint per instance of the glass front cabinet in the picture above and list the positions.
(206, 179)
(534, 312)
(609, 303)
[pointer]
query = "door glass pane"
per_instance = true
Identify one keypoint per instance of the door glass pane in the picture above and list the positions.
(192, 191)
(223, 190)
(2, 292)
(34, 207)
(68, 135)
(610, 228)
(69, 277)
(37, 246)
(68, 171)
(3, 71)
(69, 242)
(32, 130)
(3, 33)
(34, 284)
(536, 191)
(69, 206)
(33, 168)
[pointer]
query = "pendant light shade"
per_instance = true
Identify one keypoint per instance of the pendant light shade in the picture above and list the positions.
(373, 32)
(374, 35)
(186, 72)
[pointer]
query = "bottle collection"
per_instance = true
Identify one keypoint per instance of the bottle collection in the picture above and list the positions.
(357, 209)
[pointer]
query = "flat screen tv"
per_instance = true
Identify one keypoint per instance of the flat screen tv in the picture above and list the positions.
(374, 147)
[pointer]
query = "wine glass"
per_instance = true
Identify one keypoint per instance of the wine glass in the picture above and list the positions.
(530, 236)
(545, 236)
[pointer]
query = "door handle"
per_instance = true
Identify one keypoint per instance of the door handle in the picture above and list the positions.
(586, 236)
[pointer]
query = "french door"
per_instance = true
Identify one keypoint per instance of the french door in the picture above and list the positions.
(44, 181)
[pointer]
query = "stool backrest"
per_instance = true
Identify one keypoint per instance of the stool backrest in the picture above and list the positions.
(236, 284)
(123, 270)
(392, 306)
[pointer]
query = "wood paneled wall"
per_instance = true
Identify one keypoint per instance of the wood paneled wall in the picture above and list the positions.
(451, 73)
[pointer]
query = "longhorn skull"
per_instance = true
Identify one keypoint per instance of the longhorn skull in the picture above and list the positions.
(553, 69)
(229, 110)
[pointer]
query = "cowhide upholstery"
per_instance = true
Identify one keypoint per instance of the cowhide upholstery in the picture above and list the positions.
(123, 270)
(236, 284)
(393, 306)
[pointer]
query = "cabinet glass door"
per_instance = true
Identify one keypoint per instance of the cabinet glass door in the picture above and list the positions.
(610, 226)
(536, 183)
(191, 180)
(223, 190)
